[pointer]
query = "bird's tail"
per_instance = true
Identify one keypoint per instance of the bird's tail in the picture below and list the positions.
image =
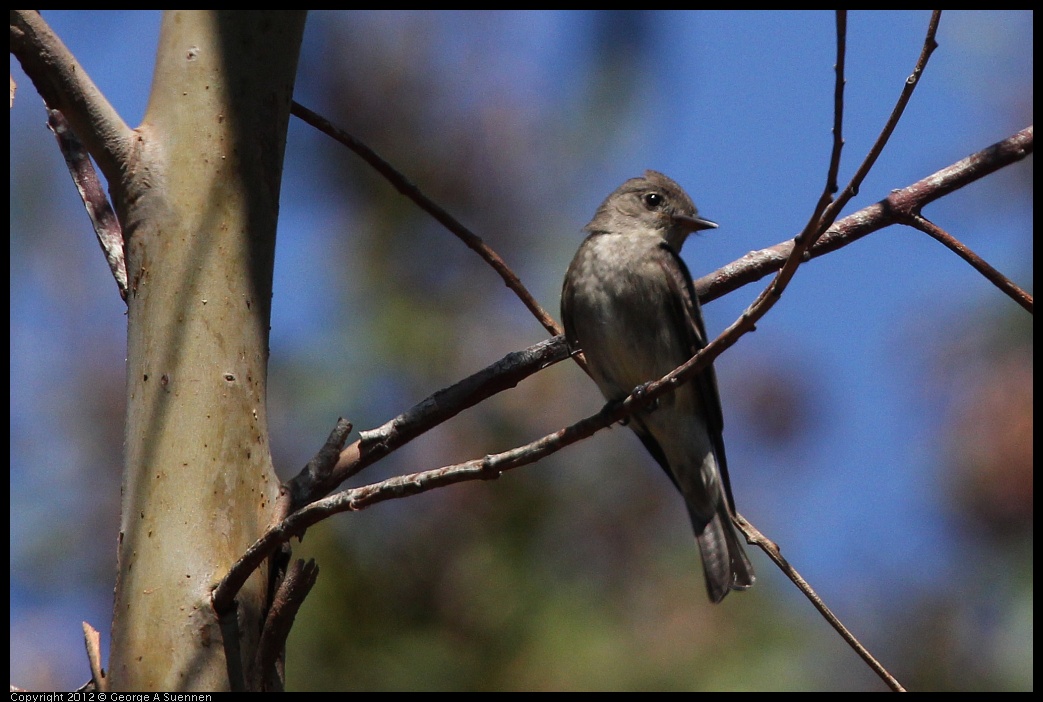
(724, 559)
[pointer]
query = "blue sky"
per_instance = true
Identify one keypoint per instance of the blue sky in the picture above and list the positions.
(736, 106)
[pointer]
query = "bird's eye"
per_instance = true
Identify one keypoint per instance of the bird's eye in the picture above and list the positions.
(653, 201)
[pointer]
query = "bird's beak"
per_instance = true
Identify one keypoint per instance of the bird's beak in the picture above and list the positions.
(694, 224)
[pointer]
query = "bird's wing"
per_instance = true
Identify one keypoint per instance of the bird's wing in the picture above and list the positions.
(686, 314)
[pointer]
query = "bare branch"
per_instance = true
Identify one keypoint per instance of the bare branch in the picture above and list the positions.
(404, 186)
(1001, 281)
(929, 45)
(838, 103)
(912, 198)
(106, 226)
(307, 485)
(443, 405)
(359, 498)
(754, 536)
(64, 85)
(825, 214)
(299, 580)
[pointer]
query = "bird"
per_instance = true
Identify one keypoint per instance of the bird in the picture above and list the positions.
(628, 303)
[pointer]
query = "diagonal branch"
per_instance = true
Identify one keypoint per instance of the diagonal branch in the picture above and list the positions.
(775, 554)
(106, 226)
(918, 221)
(64, 85)
(758, 264)
(407, 188)
(440, 407)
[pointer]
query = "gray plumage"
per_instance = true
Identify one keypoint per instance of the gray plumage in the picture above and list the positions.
(629, 304)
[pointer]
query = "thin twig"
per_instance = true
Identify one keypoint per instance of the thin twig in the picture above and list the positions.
(402, 486)
(838, 102)
(963, 251)
(754, 536)
(407, 188)
(825, 214)
(929, 45)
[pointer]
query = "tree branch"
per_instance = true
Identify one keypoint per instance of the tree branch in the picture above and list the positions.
(411, 191)
(106, 226)
(918, 221)
(64, 85)
(754, 536)
(912, 198)
(299, 580)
